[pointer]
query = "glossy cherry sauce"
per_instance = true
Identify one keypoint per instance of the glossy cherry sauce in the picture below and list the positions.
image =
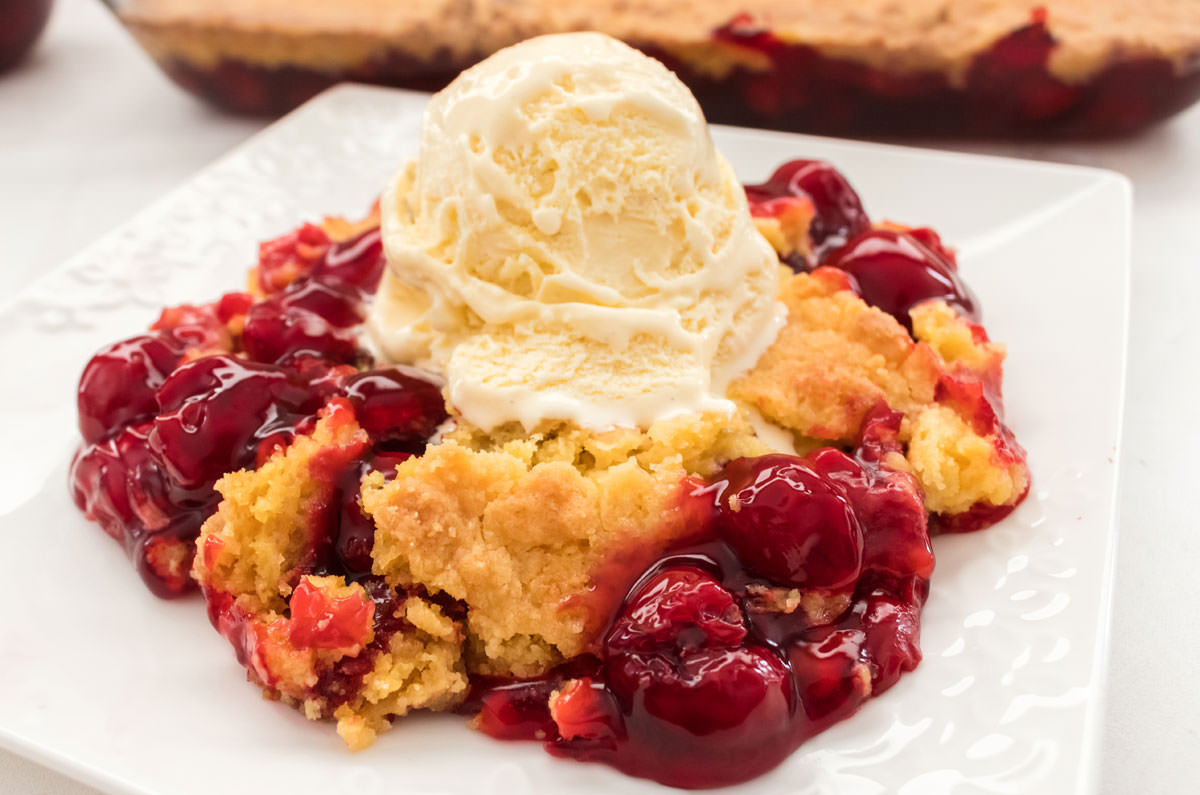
(891, 269)
(218, 387)
(707, 676)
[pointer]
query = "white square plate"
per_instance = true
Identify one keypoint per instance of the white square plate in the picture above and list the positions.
(108, 684)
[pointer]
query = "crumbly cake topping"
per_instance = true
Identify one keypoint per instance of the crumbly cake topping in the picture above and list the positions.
(298, 633)
(259, 538)
(838, 358)
(516, 544)
(898, 35)
(699, 444)
(834, 361)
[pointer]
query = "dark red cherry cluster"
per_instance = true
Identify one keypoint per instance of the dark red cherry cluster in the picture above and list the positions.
(891, 269)
(216, 388)
(798, 600)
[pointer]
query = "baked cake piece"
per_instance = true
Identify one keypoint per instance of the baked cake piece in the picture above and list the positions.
(368, 552)
(510, 559)
(923, 66)
(361, 651)
(528, 544)
(518, 530)
(877, 315)
(360, 575)
(838, 359)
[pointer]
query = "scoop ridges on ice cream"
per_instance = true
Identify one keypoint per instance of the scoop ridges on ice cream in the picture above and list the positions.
(570, 245)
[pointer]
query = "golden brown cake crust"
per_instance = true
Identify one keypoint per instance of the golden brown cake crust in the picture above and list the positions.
(522, 544)
(256, 542)
(251, 553)
(837, 358)
(834, 361)
(897, 35)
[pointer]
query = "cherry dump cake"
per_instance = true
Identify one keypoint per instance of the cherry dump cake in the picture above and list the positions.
(928, 67)
(573, 434)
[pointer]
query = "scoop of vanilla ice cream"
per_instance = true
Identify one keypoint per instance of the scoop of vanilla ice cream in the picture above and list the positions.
(569, 245)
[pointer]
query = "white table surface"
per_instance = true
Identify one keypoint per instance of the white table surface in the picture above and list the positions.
(90, 132)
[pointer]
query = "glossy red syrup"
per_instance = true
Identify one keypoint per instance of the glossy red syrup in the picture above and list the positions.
(838, 212)
(892, 270)
(698, 684)
(895, 272)
(218, 387)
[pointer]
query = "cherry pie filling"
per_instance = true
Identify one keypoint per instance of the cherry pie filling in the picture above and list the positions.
(799, 598)
(796, 596)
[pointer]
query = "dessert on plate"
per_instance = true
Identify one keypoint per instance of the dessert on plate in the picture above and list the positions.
(943, 67)
(573, 433)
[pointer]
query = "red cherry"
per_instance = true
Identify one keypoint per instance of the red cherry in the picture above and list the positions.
(706, 690)
(517, 711)
(397, 405)
(893, 631)
(891, 508)
(338, 306)
(839, 214)
(585, 711)
(829, 673)
(704, 718)
(684, 698)
(101, 476)
(681, 608)
(274, 332)
(120, 484)
(790, 525)
(283, 259)
(118, 385)
(214, 411)
(198, 327)
(358, 261)
(231, 305)
(894, 272)
(321, 621)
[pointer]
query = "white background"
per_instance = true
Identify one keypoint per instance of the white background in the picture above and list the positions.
(90, 132)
